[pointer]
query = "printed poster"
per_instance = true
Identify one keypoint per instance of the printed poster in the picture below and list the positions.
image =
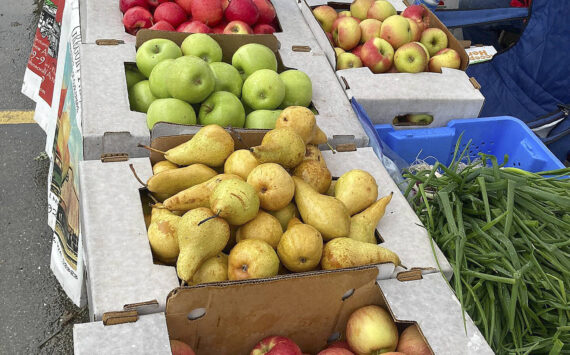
(66, 150)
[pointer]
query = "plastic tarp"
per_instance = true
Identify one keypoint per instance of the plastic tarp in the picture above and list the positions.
(533, 77)
(453, 19)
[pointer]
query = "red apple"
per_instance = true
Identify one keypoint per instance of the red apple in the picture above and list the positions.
(276, 345)
(171, 13)
(377, 54)
(186, 5)
(124, 5)
(180, 348)
(371, 329)
(209, 12)
(330, 37)
(419, 15)
(136, 18)
(412, 342)
(325, 15)
(263, 28)
(238, 28)
(225, 4)
(340, 344)
(335, 351)
(415, 30)
(155, 3)
(242, 10)
(162, 26)
(346, 32)
(445, 58)
(357, 50)
(219, 28)
(193, 27)
(266, 11)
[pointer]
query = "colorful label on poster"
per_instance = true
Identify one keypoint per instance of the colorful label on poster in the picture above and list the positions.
(43, 58)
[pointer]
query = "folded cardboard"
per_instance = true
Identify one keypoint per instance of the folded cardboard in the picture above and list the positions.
(120, 265)
(148, 335)
(444, 96)
(102, 20)
(227, 318)
(110, 127)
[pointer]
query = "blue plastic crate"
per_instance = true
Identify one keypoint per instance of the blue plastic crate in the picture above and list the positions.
(494, 135)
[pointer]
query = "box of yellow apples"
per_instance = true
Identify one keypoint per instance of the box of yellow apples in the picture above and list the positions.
(228, 204)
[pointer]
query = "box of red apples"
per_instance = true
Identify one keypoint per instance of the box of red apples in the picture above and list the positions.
(122, 19)
(341, 313)
(111, 125)
(404, 68)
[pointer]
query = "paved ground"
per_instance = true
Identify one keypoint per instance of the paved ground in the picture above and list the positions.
(36, 316)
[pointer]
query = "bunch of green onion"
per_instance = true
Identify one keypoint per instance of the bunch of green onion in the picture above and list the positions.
(506, 232)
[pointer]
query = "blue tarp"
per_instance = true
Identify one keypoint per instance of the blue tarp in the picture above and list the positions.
(531, 78)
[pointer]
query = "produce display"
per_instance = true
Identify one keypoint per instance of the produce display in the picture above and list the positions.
(506, 232)
(257, 212)
(211, 16)
(373, 35)
(191, 85)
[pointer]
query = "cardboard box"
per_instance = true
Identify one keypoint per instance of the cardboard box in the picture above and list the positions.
(102, 20)
(147, 335)
(110, 127)
(445, 96)
(119, 260)
(310, 309)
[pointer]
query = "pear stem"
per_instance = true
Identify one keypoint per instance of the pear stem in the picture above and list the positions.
(136, 176)
(209, 218)
(153, 198)
(151, 149)
(331, 147)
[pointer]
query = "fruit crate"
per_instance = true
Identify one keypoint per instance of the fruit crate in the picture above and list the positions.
(498, 136)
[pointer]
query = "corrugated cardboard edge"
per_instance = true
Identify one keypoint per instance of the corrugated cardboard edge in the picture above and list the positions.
(120, 317)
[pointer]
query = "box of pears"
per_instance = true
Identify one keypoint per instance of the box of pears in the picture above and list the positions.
(312, 314)
(233, 204)
(171, 80)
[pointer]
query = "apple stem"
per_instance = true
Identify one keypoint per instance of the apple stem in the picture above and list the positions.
(151, 149)
(156, 202)
(209, 218)
(136, 176)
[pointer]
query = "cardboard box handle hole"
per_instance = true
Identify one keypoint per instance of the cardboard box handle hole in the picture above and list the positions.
(196, 313)
(334, 337)
(347, 294)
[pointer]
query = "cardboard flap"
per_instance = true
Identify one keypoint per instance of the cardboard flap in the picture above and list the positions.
(223, 306)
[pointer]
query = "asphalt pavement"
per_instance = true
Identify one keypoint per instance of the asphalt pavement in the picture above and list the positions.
(36, 315)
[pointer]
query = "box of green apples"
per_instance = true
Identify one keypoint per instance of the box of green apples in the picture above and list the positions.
(188, 79)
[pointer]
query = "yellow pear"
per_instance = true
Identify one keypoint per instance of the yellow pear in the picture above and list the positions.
(313, 152)
(363, 224)
(273, 184)
(162, 234)
(346, 252)
(241, 162)
(235, 201)
(327, 214)
(211, 145)
(314, 174)
(282, 146)
(300, 247)
(293, 221)
(330, 191)
(264, 227)
(300, 119)
(285, 214)
(319, 138)
(197, 195)
(175, 180)
(252, 259)
(215, 269)
(199, 241)
(163, 165)
(357, 189)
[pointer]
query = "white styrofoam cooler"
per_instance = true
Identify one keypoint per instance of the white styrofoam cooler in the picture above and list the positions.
(446, 96)
(109, 126)
(120, 266)
(429, 302)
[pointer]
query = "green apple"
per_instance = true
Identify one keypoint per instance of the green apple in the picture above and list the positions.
(190, 79)
(154, 51)
(222, 108)
(170, 110)
(253, 56)
(159, 77)
(202, 46)
(298, 88)
(140, 96)
(227, 78)
(262, 119)
(263, 90)
(132, 74)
